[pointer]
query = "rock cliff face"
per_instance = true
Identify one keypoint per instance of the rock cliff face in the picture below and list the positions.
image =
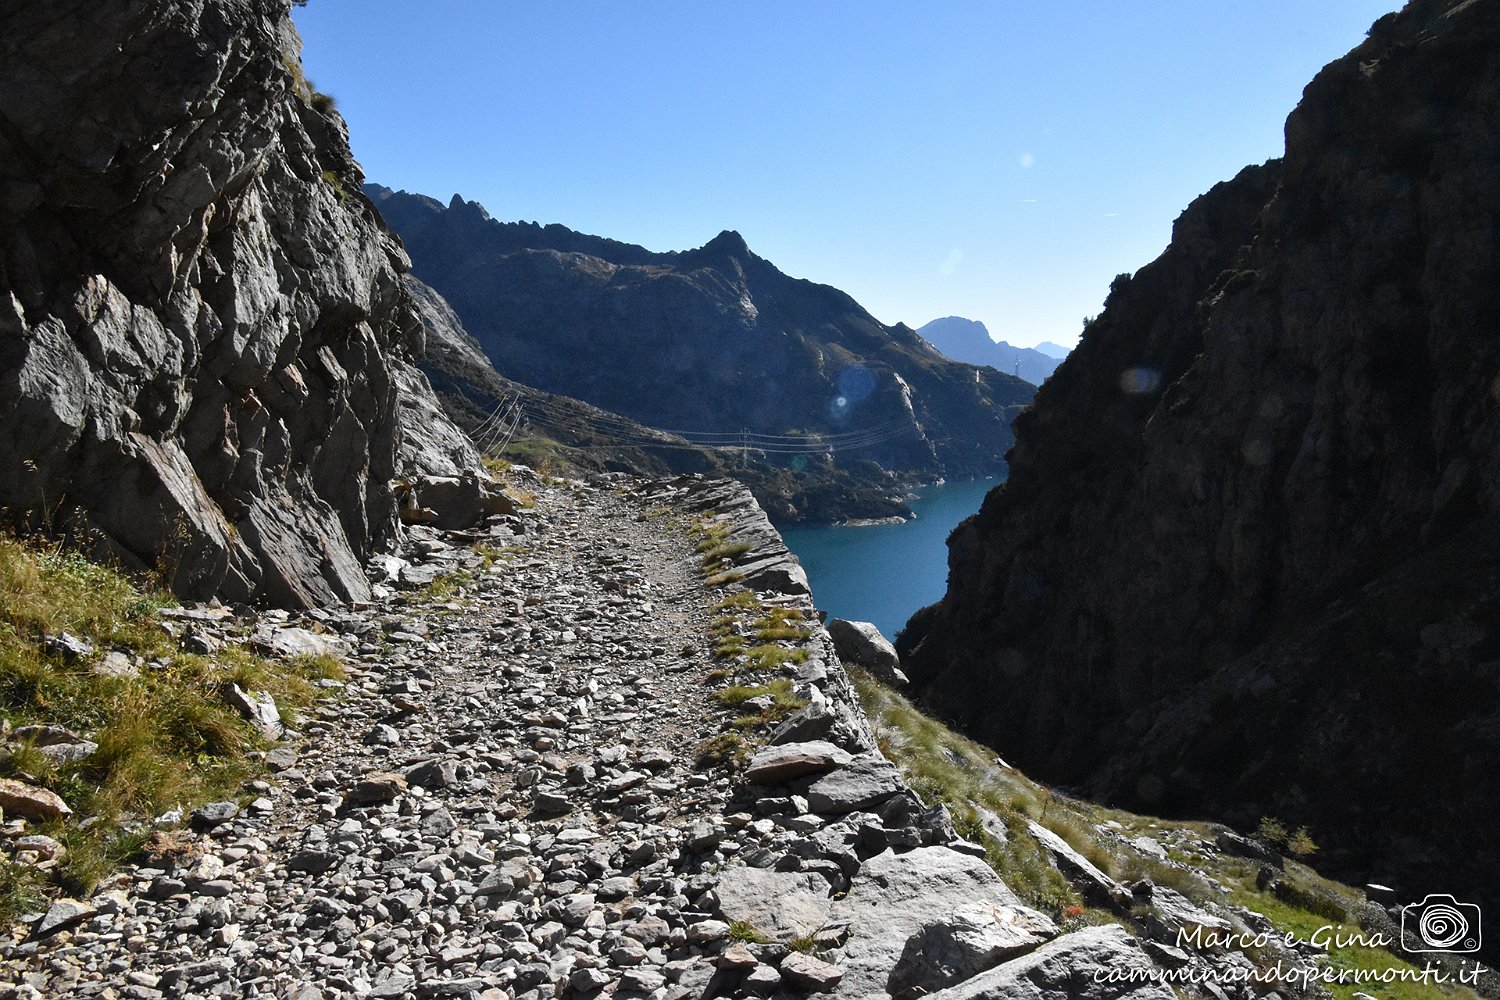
(714, 340)
(1246, 562)
(202, 326)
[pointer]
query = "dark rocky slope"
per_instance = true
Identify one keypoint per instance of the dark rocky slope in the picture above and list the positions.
(569, 433)
(202, 327)
(1246, 561)
(714, 340)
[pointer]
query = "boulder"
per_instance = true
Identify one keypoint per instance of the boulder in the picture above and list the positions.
(965, 942)
(1173, 915)
(865, 781)
(376, 788)
(62, 914)
(803, 972)
(783, 905)
(1097, 963)
(292, 641)
(1083, 873)
(780, 573)
(896, 897)
(17, 798)
(61, 745)
(257, 706)
(861, 644)
(456, 502)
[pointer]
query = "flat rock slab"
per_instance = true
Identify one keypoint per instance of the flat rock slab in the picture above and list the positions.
(1173, 913)
(1082, 872)
(776, 765)
(894, 897)
(62, 914)
(804, 972)
(781, 573)
(1096, 963)
(866, 781)
(959, 944)
(783, 905)
(292, 641)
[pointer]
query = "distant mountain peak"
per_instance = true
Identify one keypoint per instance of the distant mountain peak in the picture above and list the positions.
(457, 204)
(957, 322)
(969, 340)
(728, 244)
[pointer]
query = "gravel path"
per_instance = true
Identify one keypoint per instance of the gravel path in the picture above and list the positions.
(498, 801)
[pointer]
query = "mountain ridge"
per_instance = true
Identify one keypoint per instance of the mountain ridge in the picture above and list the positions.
(713, 340)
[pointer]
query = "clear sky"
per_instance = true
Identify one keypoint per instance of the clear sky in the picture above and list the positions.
(992, 159)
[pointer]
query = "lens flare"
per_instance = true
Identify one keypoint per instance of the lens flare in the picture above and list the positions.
(1139, 381)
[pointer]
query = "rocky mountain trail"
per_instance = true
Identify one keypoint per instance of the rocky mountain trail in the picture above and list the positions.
(599, 745)
(584, 759)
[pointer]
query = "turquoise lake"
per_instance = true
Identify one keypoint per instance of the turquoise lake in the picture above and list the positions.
(883, 573)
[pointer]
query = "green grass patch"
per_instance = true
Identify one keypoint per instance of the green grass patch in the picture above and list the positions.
(720, 579)
(743, 930)
(725, 748)
(21, 891)
(740, 600)
(783, 702)
(770, 657)
(549, 458)
(166, 737)
(783, 625)
(803, 943)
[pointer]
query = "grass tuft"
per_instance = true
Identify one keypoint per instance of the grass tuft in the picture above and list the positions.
(166, 737)
(725, 748)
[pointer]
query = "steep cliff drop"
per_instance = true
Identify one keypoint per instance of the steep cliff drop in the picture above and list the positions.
(1246, 562)
(202, 325)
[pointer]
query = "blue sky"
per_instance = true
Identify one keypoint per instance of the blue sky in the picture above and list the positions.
(997, 160)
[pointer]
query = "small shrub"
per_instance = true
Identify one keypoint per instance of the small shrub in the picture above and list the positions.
(726, 747)
(1301, 844)
(742, 930)
(20, 891)
(1272, 831)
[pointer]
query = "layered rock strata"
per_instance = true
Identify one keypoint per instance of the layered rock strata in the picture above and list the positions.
(203, 335)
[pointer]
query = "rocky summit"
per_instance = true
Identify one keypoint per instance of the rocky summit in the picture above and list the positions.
(1245, 562)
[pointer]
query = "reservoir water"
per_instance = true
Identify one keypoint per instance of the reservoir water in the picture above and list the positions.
(882, 573)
